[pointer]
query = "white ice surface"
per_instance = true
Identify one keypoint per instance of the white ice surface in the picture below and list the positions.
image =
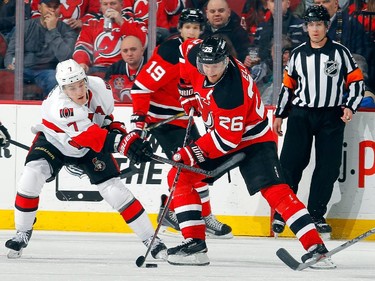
(72, 256)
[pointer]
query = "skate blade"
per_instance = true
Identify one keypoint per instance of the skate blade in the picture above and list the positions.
(199, 259)
(168, 231)
(324, 264)
(12, 254)
(162, 255)
(325, 236)
(213, 236)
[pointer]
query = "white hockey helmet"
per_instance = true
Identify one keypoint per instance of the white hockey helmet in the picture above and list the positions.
(68, 72)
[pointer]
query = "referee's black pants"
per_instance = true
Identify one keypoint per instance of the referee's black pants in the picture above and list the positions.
(328, 129)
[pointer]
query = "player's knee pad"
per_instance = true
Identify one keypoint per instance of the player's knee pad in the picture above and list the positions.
(115, 193)
(34, 176)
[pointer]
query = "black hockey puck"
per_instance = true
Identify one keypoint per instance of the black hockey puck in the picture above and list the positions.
(151, 265)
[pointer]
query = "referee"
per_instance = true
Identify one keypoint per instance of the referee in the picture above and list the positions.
(321, 89)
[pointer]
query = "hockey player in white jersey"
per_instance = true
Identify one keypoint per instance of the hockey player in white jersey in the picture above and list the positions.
(78, 128)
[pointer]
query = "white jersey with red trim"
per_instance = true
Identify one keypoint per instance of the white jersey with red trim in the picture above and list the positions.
(75, 129)
(231, 109)
(95, 47)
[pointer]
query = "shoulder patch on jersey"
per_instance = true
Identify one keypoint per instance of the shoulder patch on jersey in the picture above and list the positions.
(66, 112)
(192, 55)
(228, 93)
(169, 50)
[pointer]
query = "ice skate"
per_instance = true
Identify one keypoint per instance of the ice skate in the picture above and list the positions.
(315, 252)
(158, 248)
(18, 243)
(190, 252)
(278, 224)
(170, 219)
(216, 229)
(323, 228)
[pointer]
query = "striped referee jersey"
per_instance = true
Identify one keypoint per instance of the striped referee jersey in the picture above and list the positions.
(319, 78)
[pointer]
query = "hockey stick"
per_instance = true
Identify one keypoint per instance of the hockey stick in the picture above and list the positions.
(158, 124)
(125, 173)
(230, 163)
(141, 259)
(290, 261)
(21, 145)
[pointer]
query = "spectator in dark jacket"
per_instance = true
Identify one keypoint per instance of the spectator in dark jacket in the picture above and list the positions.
(47, 42)
(8, 16)
(346, 29)
(292, 27)
(220, 20)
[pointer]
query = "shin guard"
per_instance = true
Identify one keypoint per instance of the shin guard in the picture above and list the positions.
(285, 202)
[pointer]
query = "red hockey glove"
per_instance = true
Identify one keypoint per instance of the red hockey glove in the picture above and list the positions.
(117, 127)
(139, 122)
(135, 148)
(189, 155)
(188, 99)
(4, 135)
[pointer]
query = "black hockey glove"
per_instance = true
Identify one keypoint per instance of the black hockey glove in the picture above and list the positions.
(135, 148)
(4, 135)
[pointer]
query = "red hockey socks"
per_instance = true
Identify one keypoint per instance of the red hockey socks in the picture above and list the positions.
(285, 202)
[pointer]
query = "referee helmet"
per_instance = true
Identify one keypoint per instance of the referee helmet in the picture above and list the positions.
(317, 13)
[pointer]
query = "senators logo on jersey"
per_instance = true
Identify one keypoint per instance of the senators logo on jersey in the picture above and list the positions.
(66, 112)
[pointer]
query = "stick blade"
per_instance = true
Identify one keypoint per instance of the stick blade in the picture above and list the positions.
(288, 259)
(140, 261)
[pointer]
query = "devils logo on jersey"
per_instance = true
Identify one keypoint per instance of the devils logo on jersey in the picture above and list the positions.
(71, 9)
(108, 44)
(204, 105)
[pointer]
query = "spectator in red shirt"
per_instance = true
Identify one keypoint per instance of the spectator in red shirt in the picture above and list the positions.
(98, 48)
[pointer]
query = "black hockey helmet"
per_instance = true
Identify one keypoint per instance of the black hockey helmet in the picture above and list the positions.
(212, 50)
(191, 15)
(317, 13)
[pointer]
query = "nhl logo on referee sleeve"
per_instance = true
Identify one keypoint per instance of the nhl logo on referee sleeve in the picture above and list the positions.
(331, 68)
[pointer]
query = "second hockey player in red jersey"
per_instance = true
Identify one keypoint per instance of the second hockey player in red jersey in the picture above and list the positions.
(155, 98)
(230, 105)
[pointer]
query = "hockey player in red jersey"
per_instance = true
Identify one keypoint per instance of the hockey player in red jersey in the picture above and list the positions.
(97, 47)
(78, 129)
(155, 98)
(229, 103)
